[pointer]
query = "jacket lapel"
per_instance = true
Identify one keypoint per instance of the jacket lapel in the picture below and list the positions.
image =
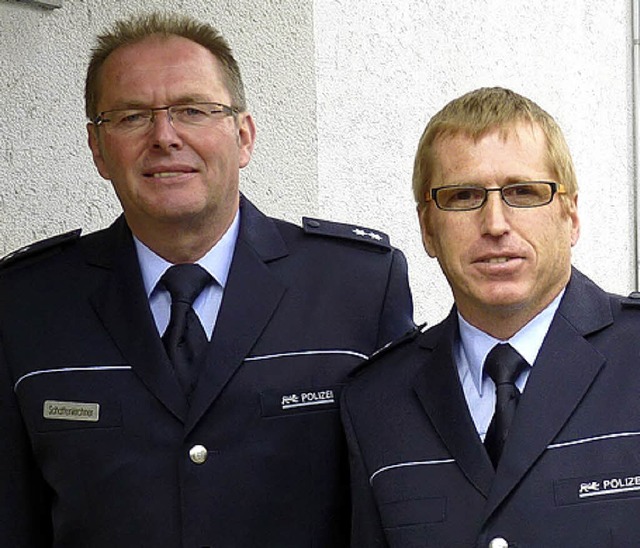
(250, 298)
(566, 367)
(438, 388)
(123, 307)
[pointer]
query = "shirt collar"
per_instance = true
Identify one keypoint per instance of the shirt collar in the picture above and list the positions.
(216, 262)
(476, 344)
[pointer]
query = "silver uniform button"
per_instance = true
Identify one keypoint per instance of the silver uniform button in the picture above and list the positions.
(198, 454)
(498, 542)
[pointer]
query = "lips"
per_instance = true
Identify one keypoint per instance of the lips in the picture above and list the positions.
(499, 263)
(497, 255)
(165, 172)
(498, 260)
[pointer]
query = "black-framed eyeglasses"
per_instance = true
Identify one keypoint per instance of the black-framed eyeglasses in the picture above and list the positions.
(183, 116)
(468, 197)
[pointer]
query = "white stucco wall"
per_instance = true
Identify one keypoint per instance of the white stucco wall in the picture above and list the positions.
(385, 66)
(341, 92)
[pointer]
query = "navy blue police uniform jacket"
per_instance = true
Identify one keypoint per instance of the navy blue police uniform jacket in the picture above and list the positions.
(101, 449)
(570, 470)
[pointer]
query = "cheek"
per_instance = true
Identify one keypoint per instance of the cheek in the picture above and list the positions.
(449, 252)
(115, 155)
(428, 240)
(453, 235)
(214, 153)
(450, 255)
(554, 242)
(428, 244)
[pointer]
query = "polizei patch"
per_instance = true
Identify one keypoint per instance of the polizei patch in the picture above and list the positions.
(594, 488)
(279, 404)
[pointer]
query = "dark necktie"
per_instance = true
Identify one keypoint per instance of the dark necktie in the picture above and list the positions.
(503, 365)
(185, 339)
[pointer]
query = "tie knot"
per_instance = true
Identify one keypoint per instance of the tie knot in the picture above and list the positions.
(504, 364)
(185, 282)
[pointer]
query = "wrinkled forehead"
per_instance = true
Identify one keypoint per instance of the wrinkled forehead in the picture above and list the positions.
(170, 63)
(510, 130)
(157, 50)
(502, 153)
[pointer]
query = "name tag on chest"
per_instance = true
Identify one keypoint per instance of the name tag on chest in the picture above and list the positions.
(71, 411)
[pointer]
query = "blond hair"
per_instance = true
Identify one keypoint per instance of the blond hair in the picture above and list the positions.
(480, 112)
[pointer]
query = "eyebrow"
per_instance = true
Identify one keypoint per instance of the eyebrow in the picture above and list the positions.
(185, 99)
(507, 181)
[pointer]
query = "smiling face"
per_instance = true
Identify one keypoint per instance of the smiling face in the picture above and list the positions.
(167, 178)
(504, 265)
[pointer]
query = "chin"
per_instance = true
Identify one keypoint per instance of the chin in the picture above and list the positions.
(178, 206)
(506, 300)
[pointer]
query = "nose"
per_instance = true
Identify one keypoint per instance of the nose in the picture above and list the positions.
(494, 215)
(163, 133)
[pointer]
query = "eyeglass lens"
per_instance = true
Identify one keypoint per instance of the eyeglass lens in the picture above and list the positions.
(180, 116)
(529, 194)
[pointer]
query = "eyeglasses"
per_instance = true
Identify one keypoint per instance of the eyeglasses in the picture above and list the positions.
(186, 116)
(468, 197)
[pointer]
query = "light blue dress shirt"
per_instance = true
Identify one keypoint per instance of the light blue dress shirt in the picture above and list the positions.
(207, 305)
(471, 351)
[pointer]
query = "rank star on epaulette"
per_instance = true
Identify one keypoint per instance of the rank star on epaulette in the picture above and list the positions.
(367, 233)
(318, 227)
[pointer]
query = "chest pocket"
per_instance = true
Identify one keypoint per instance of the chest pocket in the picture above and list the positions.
(72, 398)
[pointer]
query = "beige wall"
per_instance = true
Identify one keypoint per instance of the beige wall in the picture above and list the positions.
(341, 92)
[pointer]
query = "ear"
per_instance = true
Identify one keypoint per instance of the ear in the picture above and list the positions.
(246, 137)
(93, 140)
(575, 219)
(426, 231)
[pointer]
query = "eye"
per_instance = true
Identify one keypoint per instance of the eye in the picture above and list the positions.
(527, 194)
(524, 190)
(459, 196)
(462, 195)
(191, 113)
(132, 118)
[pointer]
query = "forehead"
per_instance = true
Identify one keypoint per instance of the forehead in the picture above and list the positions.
(158, 68)
(518, 152)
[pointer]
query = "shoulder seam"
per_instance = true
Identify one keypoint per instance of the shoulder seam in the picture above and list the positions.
(403, 339)
(34, 249)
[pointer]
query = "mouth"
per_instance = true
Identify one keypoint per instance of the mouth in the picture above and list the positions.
(166, 174)
(169, 172)
(498, 260)
(499, 265)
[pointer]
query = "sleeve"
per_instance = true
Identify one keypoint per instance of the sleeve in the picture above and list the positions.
(25, 517)
(366, 525)
(396, 317)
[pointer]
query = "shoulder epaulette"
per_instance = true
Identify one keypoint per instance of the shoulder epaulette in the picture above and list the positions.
(403, 339)
(344, 231)
(632, 301)
(38, 248)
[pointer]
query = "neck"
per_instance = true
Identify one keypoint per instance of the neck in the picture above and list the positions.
(503, 328)
(503, 322)
(178, 243)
